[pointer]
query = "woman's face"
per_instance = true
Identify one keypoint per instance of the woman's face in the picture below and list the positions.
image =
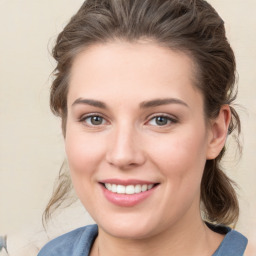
(136, 137)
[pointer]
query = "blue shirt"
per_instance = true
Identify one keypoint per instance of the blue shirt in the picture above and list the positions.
(3, 243)
(79, 242)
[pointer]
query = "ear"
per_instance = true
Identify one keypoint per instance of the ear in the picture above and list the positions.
(218, 132)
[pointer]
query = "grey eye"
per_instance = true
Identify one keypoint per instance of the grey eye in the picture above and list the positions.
(95, 120)
(160, 121)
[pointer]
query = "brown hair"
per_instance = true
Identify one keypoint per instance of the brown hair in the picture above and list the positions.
(190, 26)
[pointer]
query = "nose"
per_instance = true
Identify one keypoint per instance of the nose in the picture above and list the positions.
(125, 150)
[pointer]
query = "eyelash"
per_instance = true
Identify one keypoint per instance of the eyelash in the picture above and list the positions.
(170, 120)
(83, 119)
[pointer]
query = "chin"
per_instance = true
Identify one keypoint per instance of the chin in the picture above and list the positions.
(125, 232)
(130, 228)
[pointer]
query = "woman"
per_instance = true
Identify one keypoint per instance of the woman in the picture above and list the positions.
(144, 89)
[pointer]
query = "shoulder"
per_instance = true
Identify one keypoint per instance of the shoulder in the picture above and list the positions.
(233, 244)
(75, 243)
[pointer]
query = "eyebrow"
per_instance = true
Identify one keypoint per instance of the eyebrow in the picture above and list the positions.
(144, 104)
(94, 103)
(159, 102)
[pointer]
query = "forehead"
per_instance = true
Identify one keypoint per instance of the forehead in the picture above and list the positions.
(138, 69)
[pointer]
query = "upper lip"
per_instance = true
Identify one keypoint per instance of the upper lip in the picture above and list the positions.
(127, 182)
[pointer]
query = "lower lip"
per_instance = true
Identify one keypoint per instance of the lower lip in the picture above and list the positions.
(125, 200)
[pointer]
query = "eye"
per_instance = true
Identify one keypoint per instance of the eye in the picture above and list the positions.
(93, 120)
(161, 121)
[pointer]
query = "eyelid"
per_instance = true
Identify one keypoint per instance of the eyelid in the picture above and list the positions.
(85, 116)
(172, 118)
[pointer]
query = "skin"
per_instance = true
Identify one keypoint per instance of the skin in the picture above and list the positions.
(129, 143)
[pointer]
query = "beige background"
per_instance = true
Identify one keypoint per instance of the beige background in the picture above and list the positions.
(31, 147)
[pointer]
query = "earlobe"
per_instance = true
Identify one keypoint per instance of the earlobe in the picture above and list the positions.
(218, 132)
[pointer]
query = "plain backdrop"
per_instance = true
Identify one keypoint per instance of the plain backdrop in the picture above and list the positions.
(31, 143)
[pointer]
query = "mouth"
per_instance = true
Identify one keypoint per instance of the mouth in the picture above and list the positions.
(127, 193)
(129, 189)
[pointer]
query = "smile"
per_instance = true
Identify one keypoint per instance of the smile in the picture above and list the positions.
(129, 189)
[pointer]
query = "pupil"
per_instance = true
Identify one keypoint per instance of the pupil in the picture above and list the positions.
(161, 120)
(96, 120)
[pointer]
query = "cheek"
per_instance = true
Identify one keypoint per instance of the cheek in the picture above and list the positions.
(181, 150)
(84, 154)
(182, 156)
(181, 161)
(82, 151)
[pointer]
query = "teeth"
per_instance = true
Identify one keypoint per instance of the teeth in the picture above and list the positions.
(150, 186)
(129, 190)
(144, 188)
(120, 189)
(108, 186)
(113, 188)
(137, 189)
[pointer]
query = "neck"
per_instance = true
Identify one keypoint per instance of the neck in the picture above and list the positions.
(182, 239)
